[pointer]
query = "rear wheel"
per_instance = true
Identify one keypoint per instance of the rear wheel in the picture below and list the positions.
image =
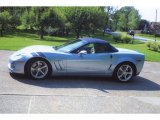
(124, 72)
(38, 69)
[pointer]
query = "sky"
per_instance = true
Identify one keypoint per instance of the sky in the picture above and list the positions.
(149, 12)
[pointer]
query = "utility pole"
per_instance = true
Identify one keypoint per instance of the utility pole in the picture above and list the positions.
(155, 25)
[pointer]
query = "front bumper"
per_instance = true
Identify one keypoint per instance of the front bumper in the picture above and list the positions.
(16, 66)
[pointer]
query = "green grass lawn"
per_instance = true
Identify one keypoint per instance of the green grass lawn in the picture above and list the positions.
(148, 36)
(149, 55)
(19, 40)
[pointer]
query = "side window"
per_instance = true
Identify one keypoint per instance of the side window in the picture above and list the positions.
(103, 48)
(89, 48)
(100, 48)
(96, 48)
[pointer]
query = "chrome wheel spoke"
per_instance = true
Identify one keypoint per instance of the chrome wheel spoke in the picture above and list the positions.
(127, 67)
(45, 66)
(42, 72)
(125, 76)
(121, 69)
(37, 73)
(38, 62)
(120, 75)
(129, 73)
(33, 69)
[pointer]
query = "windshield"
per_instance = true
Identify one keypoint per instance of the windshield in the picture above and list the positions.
(68, 47)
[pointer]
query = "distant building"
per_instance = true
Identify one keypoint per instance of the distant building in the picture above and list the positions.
(155, 27)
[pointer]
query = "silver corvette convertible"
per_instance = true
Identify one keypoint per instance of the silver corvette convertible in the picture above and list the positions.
(85, 56)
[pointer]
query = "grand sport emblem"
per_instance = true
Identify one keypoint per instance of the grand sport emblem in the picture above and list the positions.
(85, 56)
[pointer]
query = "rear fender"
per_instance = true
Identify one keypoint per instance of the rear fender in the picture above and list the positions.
(122, 60)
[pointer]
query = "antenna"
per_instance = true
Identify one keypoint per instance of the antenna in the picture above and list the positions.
(155, 25)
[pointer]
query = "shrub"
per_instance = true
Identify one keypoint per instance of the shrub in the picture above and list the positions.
(122, 38)
(117, 38)
(159, 46)
(149, 45)
(126, 39)
(153, 46)
(142, 32)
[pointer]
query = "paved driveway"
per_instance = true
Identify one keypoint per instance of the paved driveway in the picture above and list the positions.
(79, 94)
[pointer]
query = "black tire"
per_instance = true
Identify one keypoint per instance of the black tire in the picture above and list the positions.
(38, 69)
(124, 72)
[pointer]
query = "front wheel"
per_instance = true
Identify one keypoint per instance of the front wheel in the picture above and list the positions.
(38, 69)
(124, 72)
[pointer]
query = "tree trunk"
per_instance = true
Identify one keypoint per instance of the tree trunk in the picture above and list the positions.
(78, 33)
(63, 32)
(1, 32)
(2, 28)
(103, 32)
(67, 32)
(93, 31)
(41, 32)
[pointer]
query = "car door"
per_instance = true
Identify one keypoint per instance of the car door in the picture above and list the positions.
(88, 63)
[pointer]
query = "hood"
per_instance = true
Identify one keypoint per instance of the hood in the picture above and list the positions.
(36, 49)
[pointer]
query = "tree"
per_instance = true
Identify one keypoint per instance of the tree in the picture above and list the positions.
(133, 19)
(25, 19)
(110, 17)
(110, 11)
(14, 13)
(115, 20)
(85, 18)
(15, 16)
(128, 18)
(42, 17)
(4, 21)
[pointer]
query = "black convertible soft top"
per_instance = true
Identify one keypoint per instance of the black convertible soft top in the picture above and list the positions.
(93, 40)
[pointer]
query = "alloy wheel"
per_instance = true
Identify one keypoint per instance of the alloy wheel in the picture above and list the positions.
(124, 73)
(39, 69)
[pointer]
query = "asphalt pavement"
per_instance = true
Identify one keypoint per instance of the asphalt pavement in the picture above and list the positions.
(19, 94)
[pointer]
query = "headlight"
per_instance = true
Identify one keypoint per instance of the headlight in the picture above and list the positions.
(18, 56)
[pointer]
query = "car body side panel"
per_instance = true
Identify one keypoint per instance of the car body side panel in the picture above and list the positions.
(88, 63)
(57, 61)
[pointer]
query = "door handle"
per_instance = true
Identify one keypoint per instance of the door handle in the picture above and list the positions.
(111, 56)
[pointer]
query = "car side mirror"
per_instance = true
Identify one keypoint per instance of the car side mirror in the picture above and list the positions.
(83, 52)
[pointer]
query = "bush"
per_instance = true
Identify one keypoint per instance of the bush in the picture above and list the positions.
(159, 46)
(122, 38)
(126, 39)
(117, 38)
(149, 45)
(142, 32)
(153, 46)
